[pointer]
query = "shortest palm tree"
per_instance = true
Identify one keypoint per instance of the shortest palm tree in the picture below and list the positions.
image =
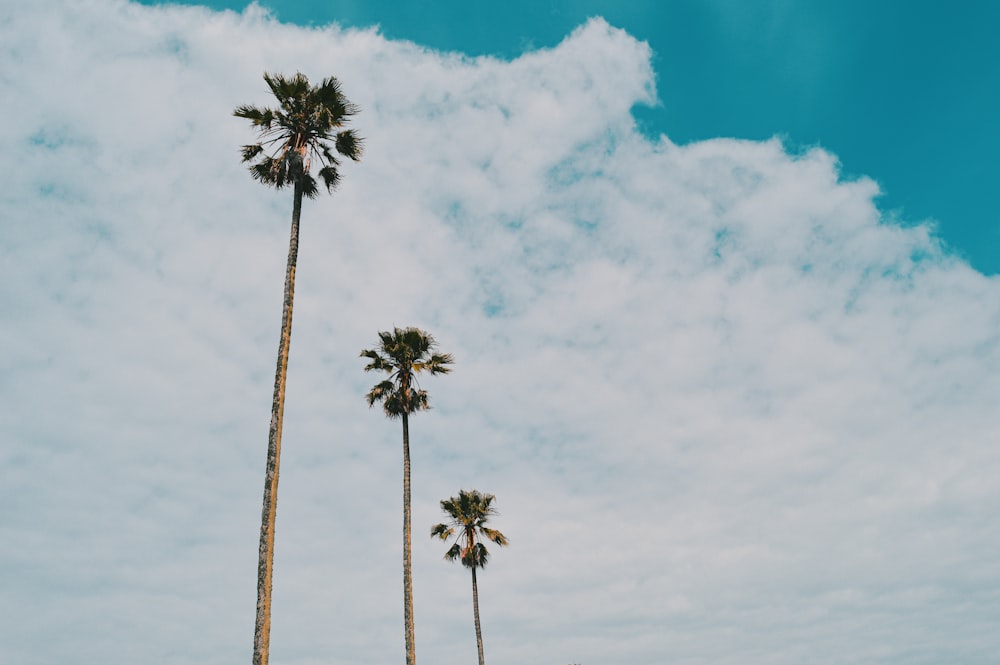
(469, 512)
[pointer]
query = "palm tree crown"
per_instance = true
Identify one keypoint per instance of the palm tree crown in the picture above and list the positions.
(301, 130)
(469, 513)
(402, 354)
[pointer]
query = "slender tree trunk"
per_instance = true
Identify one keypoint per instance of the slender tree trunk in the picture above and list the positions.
(265, 566)
(475, 611)
(411, 653)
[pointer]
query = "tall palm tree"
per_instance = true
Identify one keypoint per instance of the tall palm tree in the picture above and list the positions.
(403, 354)
(469, 512)
(308, 120)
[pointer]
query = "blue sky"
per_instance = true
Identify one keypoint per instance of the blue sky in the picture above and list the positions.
(905, 92)
(734, 408)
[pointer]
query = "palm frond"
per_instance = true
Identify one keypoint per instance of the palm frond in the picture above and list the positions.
(349, 144)
(330, 176)
(387, 340)
(309, 188)
(495, 536)
(438, 363)
(258, 117)
(288, 91)
(248, 152)
(395, 405)
(379, 393)
(476, 557)
(419, 401)
(449, 506)
(266, 171)
(442, 531)
(378, 363)
(325, 154)
(330, 96)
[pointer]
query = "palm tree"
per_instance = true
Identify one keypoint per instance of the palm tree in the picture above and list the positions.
(469, 512)
(300, 130)
(402, 354)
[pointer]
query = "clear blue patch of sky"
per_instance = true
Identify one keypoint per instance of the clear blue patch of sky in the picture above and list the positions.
(905, 91)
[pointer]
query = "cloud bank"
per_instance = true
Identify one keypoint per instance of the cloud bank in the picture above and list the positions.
(731, 411)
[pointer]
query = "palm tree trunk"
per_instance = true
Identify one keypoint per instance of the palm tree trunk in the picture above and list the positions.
(411, 654)
(475, 611)
(265, 565)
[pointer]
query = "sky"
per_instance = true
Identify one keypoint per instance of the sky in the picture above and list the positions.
(736, 401)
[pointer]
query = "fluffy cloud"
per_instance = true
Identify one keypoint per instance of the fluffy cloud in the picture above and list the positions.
(732, 412)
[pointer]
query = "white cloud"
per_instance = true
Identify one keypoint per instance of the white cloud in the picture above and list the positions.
(731, 412)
